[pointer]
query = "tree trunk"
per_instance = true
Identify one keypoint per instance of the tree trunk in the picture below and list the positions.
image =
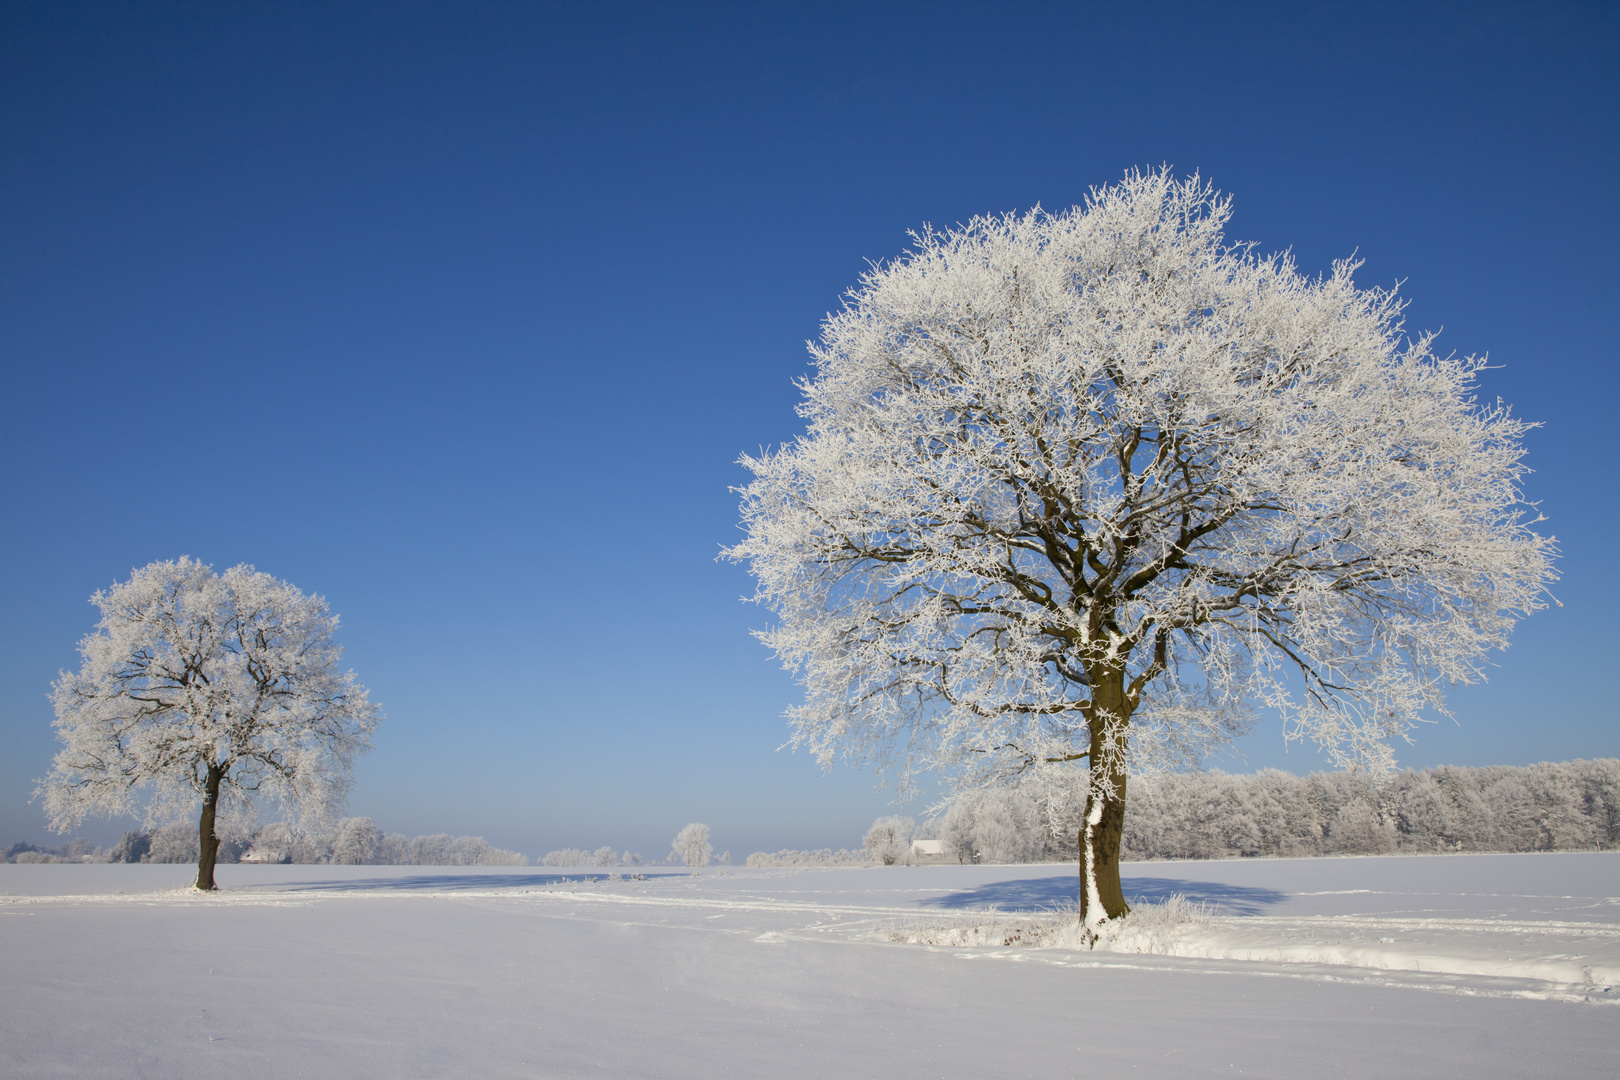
(208, 843)
(1101, 896)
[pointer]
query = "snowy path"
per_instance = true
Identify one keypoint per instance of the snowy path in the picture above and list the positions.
(1475, 966)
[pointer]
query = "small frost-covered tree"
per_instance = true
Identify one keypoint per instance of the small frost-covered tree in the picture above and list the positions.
(1090, 487)
(219, 688)
(691, 846)
(889, 839)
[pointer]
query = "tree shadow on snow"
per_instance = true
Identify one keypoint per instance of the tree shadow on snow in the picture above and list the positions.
(1225, 898)
(1047, 892)
(424, 882)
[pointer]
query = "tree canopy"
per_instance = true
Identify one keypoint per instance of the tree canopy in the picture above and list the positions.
(1094, 486)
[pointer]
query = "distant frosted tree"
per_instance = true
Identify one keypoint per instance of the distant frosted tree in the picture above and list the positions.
(444, 850)
(1007, 828)
(132, 847)
(274, 843)
(691, 846)
(567, 857)
(604, 857)
(889, 839)
(1357, 829)
(357, 842)
(82, 850)
(1092, 486)
(219, 688)
(998, 825)
(280, 840)
(955, 830)
(173, 844)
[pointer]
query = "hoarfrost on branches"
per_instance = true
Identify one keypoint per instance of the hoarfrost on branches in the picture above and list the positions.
(1091, 487)
(219, 689)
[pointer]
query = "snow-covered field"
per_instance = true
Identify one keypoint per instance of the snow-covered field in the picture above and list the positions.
(1463, 965)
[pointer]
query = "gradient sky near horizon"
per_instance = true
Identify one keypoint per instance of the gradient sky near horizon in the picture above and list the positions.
(459, 315)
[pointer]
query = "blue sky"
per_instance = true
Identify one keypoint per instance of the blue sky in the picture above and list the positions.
(460, 316)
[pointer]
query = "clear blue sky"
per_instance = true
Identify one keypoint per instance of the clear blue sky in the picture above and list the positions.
(460, 315)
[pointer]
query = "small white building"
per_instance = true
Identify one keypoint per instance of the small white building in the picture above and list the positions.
(928, 847)
(265, 855)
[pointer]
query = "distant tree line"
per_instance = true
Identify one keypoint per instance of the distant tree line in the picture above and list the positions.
(77, 850)
(359, 842)
(353, 841)
(602, 856)
(1556, 806)
(887, 843)
(691, 847)
(171, 844)
(820, 857)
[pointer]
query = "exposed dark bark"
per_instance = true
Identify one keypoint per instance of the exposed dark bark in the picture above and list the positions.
(1105, 843)
(208, 842)
(1109, 717)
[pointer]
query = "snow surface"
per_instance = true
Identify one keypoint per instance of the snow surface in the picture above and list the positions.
(1460, 965)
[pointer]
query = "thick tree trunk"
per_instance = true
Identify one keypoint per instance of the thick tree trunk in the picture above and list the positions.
(208, 842)
(1101, 896)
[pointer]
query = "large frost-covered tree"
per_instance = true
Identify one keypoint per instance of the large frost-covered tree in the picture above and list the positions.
(224, 688)
(1082, 491)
